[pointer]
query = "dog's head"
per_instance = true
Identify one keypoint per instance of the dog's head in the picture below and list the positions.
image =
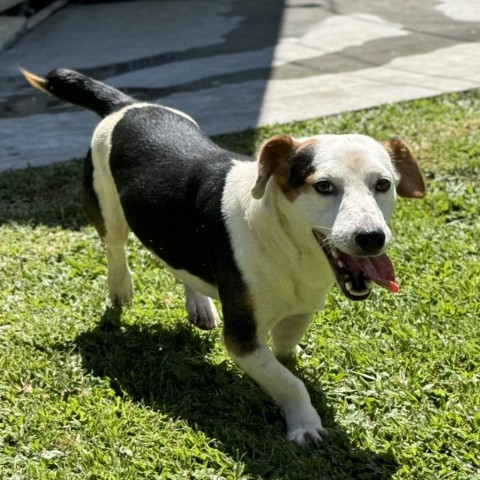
(341, 189)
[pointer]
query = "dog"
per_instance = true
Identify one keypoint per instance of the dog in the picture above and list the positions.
(268, 238)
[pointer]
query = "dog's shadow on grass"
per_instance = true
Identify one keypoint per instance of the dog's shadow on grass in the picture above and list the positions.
(169, 369)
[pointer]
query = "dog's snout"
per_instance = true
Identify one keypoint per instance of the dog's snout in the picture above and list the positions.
(370, 241)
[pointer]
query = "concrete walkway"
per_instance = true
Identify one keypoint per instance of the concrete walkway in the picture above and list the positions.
(234, 64)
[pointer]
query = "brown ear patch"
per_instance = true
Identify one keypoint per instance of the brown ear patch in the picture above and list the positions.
(289, 162)
(274, 159)
(412, 182)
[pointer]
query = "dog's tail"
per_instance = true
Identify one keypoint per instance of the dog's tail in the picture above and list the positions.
(73, 87)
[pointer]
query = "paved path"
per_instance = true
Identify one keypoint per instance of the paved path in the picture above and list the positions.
(234, 64)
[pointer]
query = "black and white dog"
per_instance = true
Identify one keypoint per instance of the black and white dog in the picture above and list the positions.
(268, 238)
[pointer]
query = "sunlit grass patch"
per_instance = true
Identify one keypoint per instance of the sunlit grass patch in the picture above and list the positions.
(88, 393)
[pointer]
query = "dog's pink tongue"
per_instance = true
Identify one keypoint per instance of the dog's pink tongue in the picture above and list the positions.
(380, 270)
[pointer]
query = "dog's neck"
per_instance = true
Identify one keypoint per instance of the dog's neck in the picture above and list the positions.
(270, 220)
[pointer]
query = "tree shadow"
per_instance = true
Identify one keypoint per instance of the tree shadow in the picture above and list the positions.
(166, 369)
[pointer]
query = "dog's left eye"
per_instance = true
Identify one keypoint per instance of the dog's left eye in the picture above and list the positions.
(324, 187)
(383, 185)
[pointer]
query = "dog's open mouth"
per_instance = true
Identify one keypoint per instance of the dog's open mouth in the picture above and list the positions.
(356, 275)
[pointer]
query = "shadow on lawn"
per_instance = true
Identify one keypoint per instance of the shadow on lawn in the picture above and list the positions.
(49, 196)
(165, 368)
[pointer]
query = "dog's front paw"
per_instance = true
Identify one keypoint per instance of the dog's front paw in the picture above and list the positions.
(307, 435)
(304, 427)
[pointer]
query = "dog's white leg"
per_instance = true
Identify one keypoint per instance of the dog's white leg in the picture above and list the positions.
(201, 310)
(287, 333)
(288, 392)
(120, 284)
(111, 223)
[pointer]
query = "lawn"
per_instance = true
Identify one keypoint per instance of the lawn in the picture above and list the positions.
(89, 392)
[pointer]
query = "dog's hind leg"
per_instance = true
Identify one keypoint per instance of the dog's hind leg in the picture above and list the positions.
(287, 333)
(102, 207)
(120, 284)
(201, 310)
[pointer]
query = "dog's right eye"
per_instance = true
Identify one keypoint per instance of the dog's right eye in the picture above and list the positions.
(383, 185)
(324, 187)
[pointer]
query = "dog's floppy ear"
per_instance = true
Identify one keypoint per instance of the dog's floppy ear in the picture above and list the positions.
(412, 182)
(274, 159)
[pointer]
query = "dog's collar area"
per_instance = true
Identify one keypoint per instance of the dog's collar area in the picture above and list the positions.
(356, 275)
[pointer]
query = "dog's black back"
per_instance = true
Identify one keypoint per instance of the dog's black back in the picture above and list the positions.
(163, 165)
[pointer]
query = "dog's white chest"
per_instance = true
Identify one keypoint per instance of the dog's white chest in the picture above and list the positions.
(281, 289)
(283, 267)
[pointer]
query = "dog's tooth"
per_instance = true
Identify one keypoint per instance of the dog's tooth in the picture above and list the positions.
(349, 286)
(335, 253)
(340, 264)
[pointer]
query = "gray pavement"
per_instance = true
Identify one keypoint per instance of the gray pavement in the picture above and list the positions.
(235, 64)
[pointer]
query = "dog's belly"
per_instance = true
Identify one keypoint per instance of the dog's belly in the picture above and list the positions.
(191, 280)
(188, 254)
(195, 283)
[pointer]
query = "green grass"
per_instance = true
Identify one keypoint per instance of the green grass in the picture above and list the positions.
(87, 393)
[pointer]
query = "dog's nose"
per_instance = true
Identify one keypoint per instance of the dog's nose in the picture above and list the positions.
(370, 241)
